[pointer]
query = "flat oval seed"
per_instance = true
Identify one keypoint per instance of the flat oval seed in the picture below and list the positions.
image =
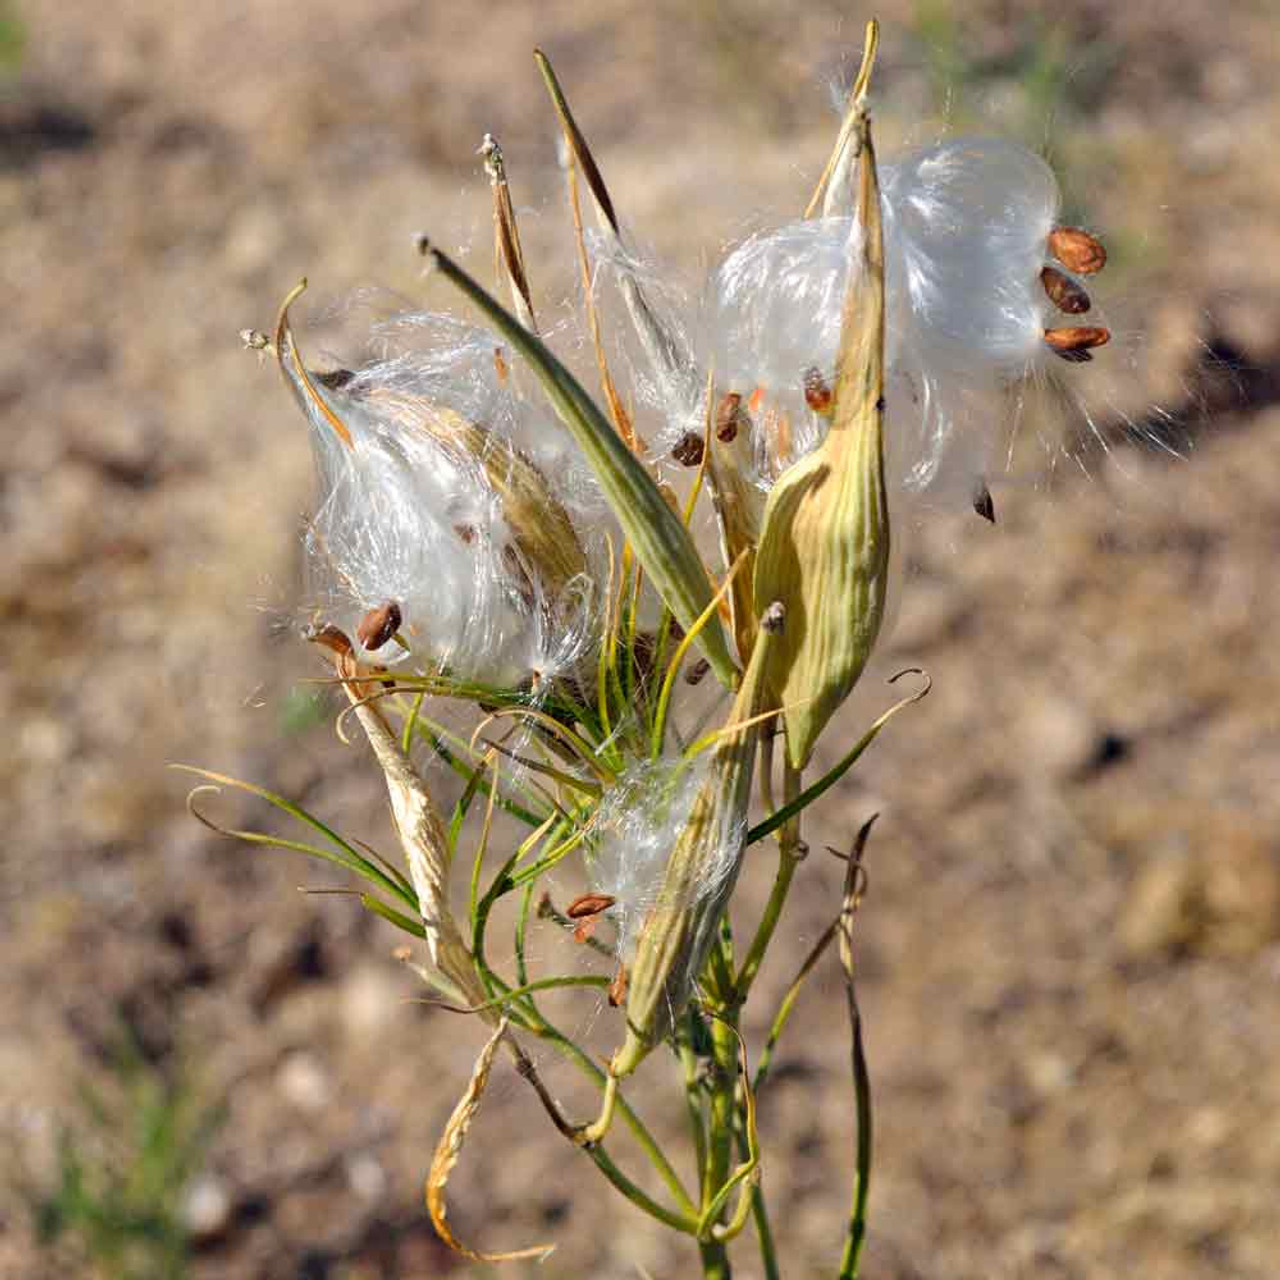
(688, 449)
(590, 904)
(729, 415)
(1063, 292)
(1077, 250)
(379, 625)
(1074, 343)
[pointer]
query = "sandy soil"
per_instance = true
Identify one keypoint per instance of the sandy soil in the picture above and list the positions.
(1071, 948)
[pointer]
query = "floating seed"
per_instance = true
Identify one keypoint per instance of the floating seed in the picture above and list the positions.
(729, 417)
(379, 625)
(1077, 250)
(983, 503)
(1074, 343)
(590, 904)
(817, 392)
(1064, 293)
(334, 379)
(688, 450)
(618, 987)
(698, 672)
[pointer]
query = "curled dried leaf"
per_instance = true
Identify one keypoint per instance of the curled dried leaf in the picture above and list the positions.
(449, 1149)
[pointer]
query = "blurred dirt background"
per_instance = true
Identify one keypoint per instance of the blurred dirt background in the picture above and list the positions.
(1071, 947)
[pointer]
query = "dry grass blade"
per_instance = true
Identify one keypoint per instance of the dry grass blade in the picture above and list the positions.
(507, 250)
(621, 419)
(449, 1149)
(835, 175)
(854, 888)
(660, 345)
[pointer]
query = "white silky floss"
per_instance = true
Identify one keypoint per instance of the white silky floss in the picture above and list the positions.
(965, 224)
(640, 820)
(407, 513)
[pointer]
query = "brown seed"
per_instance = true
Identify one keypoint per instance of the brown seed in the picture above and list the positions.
(586, 929)
(729, 417)
(589, 904)
(379, 625)
(983, 503)
(817, 393)
(1073, 343)
(334, 379)
(688, 450)
(618, 987)
(1064, 293)
(500, 366)
(1077, 250)
(698, 672)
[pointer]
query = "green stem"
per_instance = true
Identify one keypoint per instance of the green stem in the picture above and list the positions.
(760, 1216)
(646, 1141)
(721, 1123)
(693, 1100)
(862, 1179)
(790, 853)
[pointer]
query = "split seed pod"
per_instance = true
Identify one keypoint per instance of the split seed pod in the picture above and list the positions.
(447, 516)
(824, 546)
(418, 825)
(701, 872)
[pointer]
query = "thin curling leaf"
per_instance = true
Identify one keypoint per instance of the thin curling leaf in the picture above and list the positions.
(449, 1150)
(824, 547)
(662, 544)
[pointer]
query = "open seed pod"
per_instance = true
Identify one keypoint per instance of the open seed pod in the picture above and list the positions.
(824, 546)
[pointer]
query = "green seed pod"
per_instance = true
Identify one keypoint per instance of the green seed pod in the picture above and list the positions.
(824, 547)
(700, 873)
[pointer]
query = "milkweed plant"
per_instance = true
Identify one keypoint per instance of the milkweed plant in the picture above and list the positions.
(509, 580)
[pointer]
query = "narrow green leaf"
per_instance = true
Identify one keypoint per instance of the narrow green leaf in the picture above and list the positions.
(662, 544)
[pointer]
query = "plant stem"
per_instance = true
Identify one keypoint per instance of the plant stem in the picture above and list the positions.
(862, 1179)
(722, 1111)
(760, 1217)
(791, 851)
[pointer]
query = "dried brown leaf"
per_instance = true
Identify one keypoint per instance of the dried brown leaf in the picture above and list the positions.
(448, 1151)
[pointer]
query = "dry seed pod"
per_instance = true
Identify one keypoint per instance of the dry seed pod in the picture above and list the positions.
(379, 625)
(824, 546)
(698, 880)
(1077, 250)
(737, 502)
(1064, 293)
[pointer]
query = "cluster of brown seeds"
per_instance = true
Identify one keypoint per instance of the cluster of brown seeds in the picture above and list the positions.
(1080, 252)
